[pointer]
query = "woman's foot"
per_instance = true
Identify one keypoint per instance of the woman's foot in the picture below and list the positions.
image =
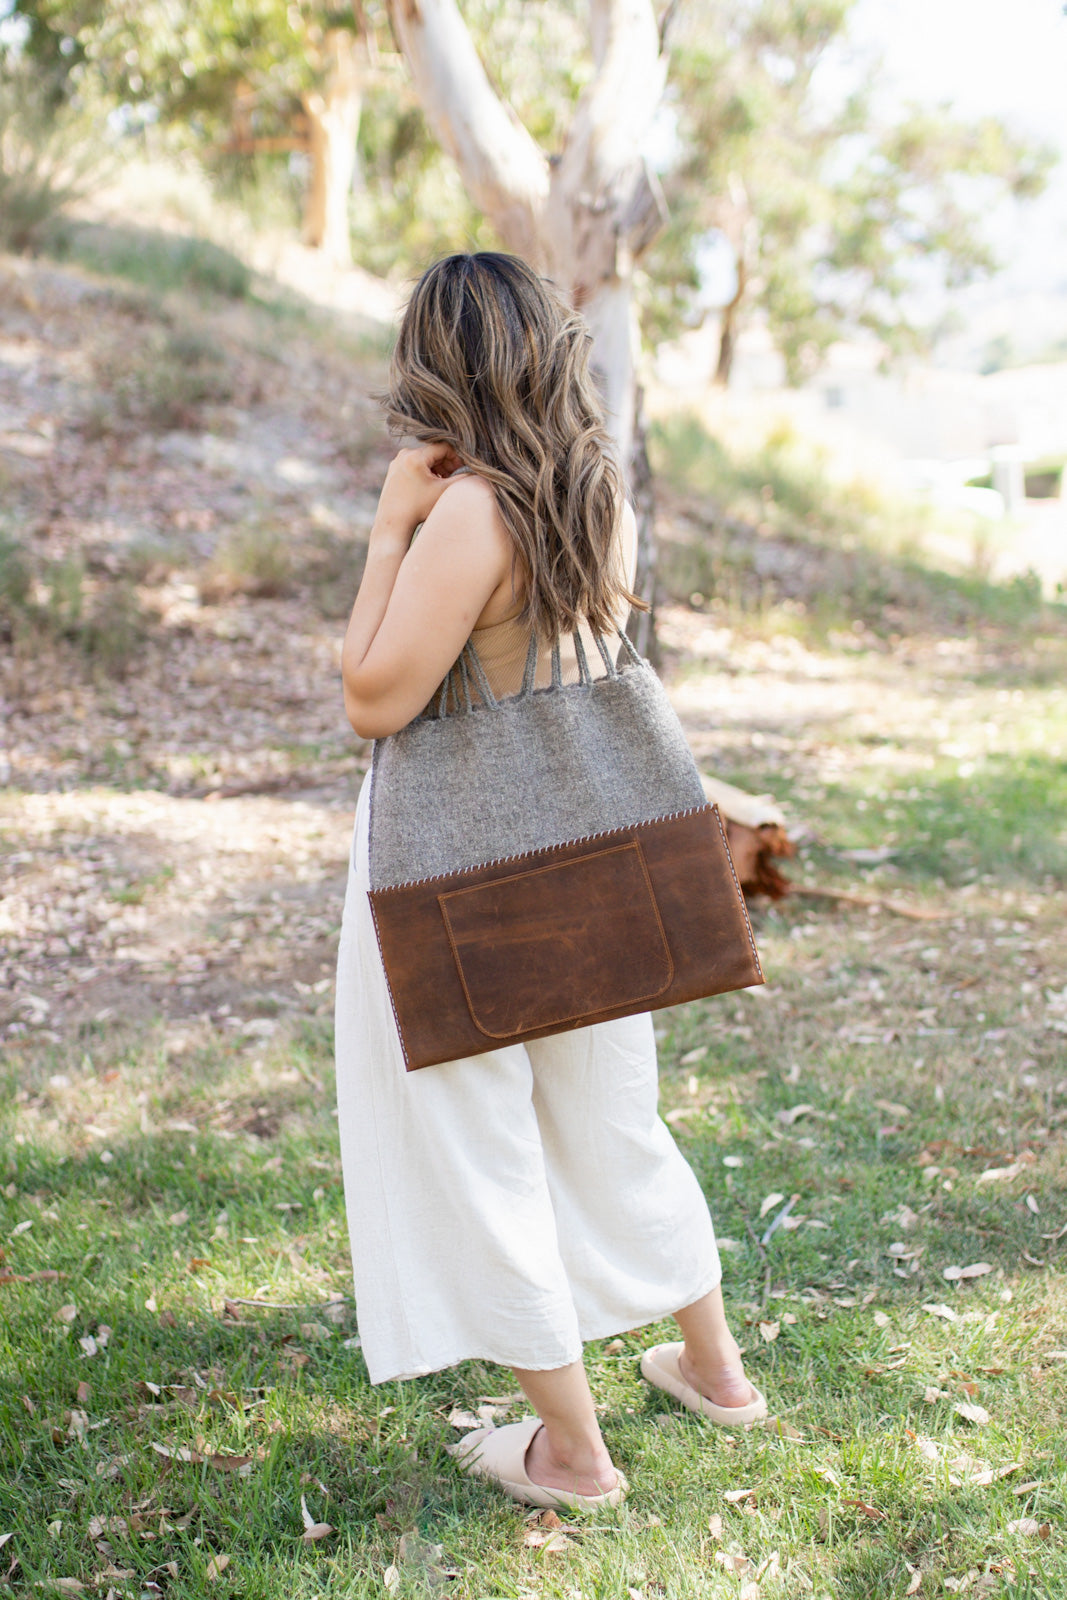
(593, 1473)
(710, 1359)
(721, 1377)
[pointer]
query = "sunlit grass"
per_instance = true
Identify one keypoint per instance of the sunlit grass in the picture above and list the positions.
(170, 1176)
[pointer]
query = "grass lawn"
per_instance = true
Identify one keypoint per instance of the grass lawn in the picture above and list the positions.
(184, 1409)
(904, 1080)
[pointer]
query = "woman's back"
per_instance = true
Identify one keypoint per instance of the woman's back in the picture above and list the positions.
(502, 645)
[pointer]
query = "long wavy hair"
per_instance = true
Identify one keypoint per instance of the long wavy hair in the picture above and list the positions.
(491, 359)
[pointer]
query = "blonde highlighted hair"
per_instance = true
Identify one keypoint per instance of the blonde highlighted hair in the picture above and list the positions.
(491, 359)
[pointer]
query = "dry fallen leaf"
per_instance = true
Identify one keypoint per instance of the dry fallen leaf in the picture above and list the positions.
(977, 1270)
(733, 1563)
(769, 1331)
(749, 1591)
(543, 1539)
(941, 1311)
(976, 1414)
(1030, 1528)
(770, 1202)
(391, 1577)
(462, 1419)
(881, 1320)
(781, 1428)
(715, 1526)
(312, 1530)
(893, 1109)
(829, 1475)
(97, 1526)
(915, 1581)
(788, 1117)
(734, 1496)
(66, 1313)
(216, 1567)
(868, 1510)
(223, 1463)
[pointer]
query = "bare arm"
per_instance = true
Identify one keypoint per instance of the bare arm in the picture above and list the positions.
(418, 602)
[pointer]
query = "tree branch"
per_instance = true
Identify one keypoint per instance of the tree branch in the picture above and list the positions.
(614, 112)
(504, 171)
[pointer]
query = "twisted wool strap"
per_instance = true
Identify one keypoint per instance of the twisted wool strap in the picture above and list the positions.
(454, 695)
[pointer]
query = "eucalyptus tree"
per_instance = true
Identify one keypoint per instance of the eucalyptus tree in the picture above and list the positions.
(261, 76)
(834, 205)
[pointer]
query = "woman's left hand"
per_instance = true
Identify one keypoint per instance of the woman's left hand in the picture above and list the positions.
(414, 483)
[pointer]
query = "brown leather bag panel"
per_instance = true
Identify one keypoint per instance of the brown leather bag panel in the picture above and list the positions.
(700, 906)
(538, 949)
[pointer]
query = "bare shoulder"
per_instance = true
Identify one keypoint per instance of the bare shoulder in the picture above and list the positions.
(467, 506)
(471, 489)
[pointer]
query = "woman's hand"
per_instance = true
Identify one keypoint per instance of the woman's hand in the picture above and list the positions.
(414, 482)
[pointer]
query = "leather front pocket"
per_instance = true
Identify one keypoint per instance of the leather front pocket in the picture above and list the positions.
(544, 947)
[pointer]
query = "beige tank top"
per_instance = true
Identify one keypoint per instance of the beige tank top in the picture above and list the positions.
(502, 646)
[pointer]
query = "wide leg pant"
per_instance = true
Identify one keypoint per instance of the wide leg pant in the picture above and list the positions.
(509, 1205)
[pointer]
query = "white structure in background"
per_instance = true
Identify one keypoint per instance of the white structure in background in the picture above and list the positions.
(929, 431)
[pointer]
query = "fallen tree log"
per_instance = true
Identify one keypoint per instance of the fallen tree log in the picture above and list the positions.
(756, 834)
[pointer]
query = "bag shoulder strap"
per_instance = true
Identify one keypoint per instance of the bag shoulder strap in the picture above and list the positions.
(454, 695)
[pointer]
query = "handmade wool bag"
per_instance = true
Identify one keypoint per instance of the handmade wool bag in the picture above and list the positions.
(548, 860)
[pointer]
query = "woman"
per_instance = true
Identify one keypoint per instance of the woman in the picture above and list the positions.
(510, 1205)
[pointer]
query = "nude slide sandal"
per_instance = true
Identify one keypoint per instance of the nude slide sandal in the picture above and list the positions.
(499, 1454)
(659, 1365)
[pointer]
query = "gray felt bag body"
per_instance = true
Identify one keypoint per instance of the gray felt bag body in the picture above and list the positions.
(546, 861)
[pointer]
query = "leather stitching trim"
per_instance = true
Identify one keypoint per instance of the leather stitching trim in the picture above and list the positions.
(740, 895)
(389, 986)
(561, 844)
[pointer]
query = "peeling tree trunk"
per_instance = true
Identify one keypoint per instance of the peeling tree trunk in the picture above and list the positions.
(586, 217)
(333, 127)
(642, 627)
(739, 225)
(616, 353)
(728, 339)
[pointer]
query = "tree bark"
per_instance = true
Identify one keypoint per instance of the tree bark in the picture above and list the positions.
(740, 228)
(505, 172)
(728, 338)
(642, 628)
(333, 128)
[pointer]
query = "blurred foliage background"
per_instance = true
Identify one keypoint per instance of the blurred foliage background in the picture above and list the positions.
(826, 214)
